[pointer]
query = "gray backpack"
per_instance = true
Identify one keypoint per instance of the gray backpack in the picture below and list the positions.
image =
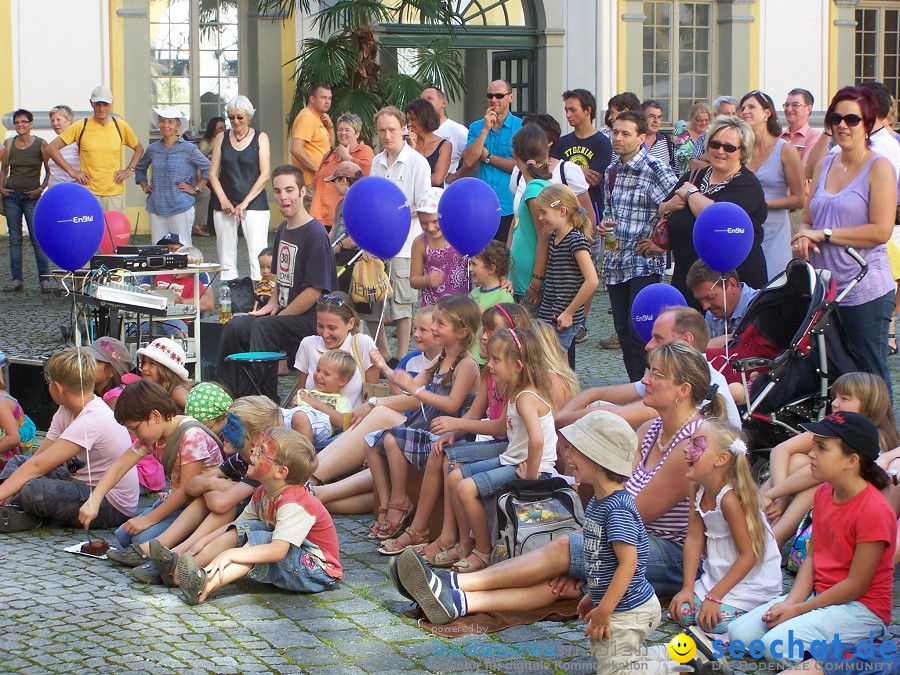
(531, 513)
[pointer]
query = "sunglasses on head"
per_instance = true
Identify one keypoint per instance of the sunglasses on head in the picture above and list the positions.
(719, 145)
(491, 95)
(834, 119)
(329, 299)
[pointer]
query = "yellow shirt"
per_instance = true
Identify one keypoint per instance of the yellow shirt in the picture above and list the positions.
(101, 152)
(309, 128)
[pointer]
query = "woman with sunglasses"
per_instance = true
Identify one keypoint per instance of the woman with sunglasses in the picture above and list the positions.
(238, 174)
(729, 146)
(854, 203)
(349, 148)
(779, 169)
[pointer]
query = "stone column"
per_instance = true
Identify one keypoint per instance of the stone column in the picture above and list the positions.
(735, 46)
(843, 46)
(134, 106)
(631, 49)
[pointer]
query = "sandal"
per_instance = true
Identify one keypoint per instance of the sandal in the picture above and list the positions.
(390, 528)
(481, 561)
(378, 524)
(892, 349)
(437, 543)
(444, 559)
(191, 579)
(394, 546)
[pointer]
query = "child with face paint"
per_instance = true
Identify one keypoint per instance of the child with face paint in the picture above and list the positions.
(742, 567)
(285, 537)
(220, 494)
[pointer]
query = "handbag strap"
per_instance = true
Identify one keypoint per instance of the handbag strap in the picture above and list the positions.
(611, 178)
(357, 356)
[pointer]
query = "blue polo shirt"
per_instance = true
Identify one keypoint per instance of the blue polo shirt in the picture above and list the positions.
(717, 326)
(499, 144)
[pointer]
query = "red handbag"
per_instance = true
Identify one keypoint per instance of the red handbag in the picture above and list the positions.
(660, 236)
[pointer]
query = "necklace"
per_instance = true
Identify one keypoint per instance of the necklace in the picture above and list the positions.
(673, 439)
(241, 138)
(845, 169)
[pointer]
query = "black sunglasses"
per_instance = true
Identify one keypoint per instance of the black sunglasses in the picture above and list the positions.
(727, 147)
(489, 95)
(833, 119)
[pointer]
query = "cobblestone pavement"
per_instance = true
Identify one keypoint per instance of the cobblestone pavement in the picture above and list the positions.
(67, 613)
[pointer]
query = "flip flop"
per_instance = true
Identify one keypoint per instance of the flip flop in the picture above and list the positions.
(191, 579)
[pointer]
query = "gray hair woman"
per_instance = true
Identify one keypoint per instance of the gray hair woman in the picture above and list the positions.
(61, 118)
(179, 171)
(238, 173)
(729, 146)
(348, 149)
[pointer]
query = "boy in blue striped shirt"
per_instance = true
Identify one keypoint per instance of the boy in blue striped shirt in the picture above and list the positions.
(621, 608)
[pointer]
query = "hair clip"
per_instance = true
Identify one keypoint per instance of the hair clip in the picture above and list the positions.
(554, 204)
(738, 447)
(531, 162)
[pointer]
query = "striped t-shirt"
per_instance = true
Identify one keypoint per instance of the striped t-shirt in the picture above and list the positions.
(615, 518)
(564, 277)
(672, 525)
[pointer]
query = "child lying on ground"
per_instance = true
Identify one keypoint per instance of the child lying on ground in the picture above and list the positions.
(284, 537)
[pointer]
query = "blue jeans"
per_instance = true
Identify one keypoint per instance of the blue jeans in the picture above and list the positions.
(151, 532)
(786, 643)
(866, 327)
(297, 571)
(17, 205)
(665, 566)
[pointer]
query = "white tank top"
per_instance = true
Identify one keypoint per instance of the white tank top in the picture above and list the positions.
(517, 450)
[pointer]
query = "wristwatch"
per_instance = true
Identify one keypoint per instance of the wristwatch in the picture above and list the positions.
(827, 233)
(372, 401)
(687, 195)
(487, 160)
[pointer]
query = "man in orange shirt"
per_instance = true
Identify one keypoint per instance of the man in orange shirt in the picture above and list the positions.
(312, 133)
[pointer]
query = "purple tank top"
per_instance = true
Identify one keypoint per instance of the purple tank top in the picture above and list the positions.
(847, 208)
(452, 264)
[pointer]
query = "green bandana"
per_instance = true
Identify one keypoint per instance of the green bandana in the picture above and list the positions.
(207, 401)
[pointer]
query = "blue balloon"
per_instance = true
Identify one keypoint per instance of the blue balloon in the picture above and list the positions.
(723, 236)
(377, 216)
(68, 224)
(469, 215)
(648, 303)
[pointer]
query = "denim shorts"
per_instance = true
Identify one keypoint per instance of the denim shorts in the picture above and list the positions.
(298, 571)
(151, 532)
(576, 557)
(566, 336)
(467, 452)
(491, 476)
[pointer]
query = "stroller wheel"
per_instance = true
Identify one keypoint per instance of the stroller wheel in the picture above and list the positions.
(760, 470)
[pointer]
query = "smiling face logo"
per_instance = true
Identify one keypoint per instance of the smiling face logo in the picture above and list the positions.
(682, 648)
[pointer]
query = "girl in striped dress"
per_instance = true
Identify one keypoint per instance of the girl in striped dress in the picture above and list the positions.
(447, 387)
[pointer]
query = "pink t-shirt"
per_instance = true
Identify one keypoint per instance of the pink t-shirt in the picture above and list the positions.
(839, 528)
(194, 446)
(97, 430)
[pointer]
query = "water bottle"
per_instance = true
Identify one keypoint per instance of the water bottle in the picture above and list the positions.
(609, 225)
(224, 303)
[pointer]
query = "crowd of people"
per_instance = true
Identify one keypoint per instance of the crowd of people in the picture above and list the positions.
(490, 395)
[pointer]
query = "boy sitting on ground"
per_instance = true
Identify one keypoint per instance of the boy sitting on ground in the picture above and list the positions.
(285, 537)
(57, 479)
(320, 411)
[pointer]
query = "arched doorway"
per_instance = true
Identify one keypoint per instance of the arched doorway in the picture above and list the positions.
(498, 39)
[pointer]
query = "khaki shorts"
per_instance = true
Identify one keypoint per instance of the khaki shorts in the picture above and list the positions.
(113, 202)
(629, 630)
(403, 297)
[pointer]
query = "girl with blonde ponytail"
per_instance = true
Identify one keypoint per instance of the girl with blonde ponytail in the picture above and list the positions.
(742, 568)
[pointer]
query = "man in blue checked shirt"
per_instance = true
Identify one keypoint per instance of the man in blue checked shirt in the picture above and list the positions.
(634, 187)
(489, 149)
(175, 164)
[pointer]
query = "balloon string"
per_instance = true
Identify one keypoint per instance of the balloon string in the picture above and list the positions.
(87, 449)
(725, 312)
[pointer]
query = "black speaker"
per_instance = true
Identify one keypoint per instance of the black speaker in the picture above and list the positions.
(26, 383)
(210, 347)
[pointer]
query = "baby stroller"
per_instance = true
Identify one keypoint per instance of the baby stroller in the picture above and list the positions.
(795, 313)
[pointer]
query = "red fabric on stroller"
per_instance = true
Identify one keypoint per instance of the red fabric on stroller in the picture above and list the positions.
(751, 344)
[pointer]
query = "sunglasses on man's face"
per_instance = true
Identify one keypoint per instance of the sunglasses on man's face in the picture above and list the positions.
(834, 119)
(490, 95)
(727, 147)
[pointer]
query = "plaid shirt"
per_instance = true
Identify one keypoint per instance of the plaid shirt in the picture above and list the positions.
(640, 186)
(178, 164)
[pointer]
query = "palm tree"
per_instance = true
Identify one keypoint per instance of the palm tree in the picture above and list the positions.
(350, 58)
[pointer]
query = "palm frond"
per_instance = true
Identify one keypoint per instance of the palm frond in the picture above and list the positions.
(437, 12)
(399, 89)
(348, 15)
(284, 8)
(325, 61)
(439, 64)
